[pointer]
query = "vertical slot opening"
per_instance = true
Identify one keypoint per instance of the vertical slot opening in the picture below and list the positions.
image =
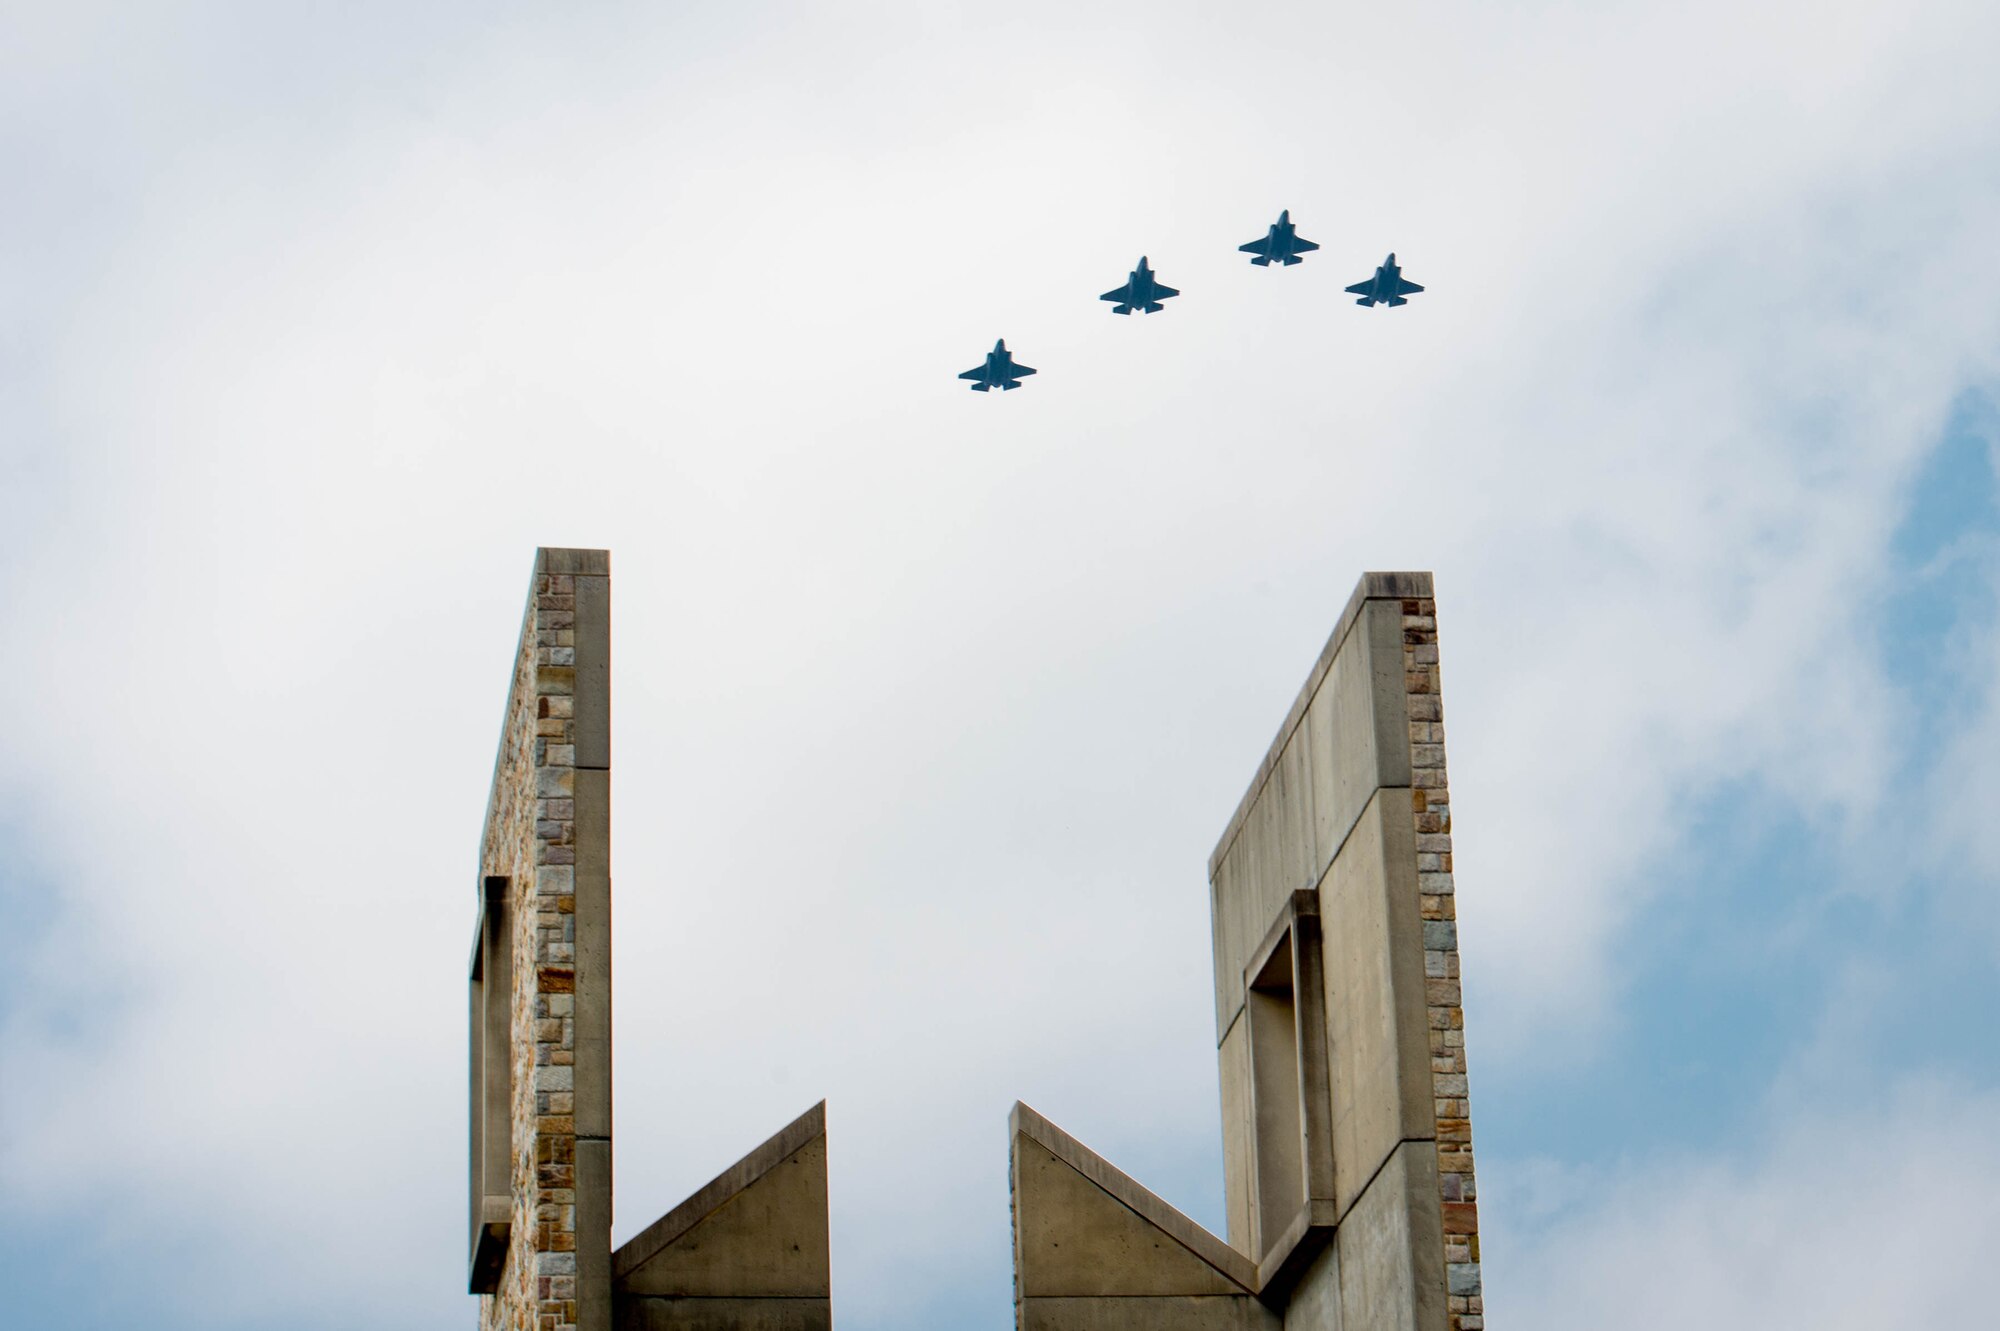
(1274, 1070)
(490, 1043)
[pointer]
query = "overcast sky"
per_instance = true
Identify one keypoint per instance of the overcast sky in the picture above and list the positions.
(929, 705)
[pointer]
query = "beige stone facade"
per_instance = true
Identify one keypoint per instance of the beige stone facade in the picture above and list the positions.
(746, 1253)
(531, 840)
(1430, 803)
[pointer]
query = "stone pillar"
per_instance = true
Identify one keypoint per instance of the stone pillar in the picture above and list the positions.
(547, 837)
(746, 1253)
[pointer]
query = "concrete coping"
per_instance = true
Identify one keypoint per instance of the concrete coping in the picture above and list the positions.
(1130, 1192)
(1372, 587)
(560, 561)
(710, 1198)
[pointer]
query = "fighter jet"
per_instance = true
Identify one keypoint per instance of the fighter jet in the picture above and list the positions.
(999, 371)
(1387, 286)
(1282, 245)
(1142, 290)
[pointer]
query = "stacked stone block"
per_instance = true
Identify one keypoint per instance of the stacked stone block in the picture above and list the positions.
(532, 838)
(1430, 801)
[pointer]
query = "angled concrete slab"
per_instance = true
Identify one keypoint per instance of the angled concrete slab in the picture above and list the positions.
(1096, 1251)
(755, 1234)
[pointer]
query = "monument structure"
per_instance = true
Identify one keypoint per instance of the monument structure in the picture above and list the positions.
(1347, 1135)
(748, 1252)
(1340, 1038)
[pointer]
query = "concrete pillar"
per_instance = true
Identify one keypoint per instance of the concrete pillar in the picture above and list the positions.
(1347, 1139)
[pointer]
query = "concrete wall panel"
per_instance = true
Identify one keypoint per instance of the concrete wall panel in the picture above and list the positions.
(1228, 913)
(1237, 1162)
(1315, 1301)
(593, 672)
(1340, 724)
(1187, 1313)
(592, 886)
(593, 1232)
(1391, 1248)
(696, 1314)
(1375, 995)
(768, 1240)
(1073, 1239)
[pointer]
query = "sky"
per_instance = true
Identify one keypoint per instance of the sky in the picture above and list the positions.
(316, 319)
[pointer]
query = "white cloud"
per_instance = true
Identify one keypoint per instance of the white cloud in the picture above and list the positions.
(929, 707)
(1845, 1215)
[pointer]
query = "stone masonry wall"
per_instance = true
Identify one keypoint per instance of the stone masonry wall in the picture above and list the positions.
(1430, 797)
(530, 838)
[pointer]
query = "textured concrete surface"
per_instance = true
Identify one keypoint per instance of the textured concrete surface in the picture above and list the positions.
(1095, 1251)
(1314, 1303)
(747, 1252)
(1347, 1145)
(758, 1230)
(1391, 1253)
(1025, 1123)
(700, 1314)
(1375, 995)
(1162, 1313)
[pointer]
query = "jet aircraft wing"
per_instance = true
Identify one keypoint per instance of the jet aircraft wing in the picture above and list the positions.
(1362, 288)
(1123, 295)
(1403, 288)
